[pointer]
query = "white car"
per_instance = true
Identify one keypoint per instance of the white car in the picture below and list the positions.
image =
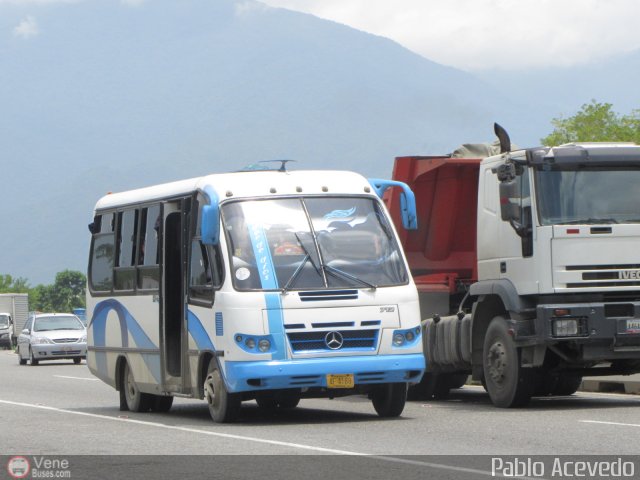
(51, 336)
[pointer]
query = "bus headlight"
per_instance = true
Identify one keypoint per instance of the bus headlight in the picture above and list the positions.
(264, 345)
(398, 339)
(250, 343)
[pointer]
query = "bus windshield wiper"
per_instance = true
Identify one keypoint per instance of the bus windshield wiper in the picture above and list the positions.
(308, 257)
(339, 273)
(295, 275)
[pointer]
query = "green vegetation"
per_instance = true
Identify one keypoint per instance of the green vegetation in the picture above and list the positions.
(595, 122)
(66, 293)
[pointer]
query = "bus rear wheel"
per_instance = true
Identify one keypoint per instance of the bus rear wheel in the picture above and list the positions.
(224, 407)
(134, 399)
(389, 399)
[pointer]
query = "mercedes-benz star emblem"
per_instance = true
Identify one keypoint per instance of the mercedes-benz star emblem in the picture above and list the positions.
(334, 340)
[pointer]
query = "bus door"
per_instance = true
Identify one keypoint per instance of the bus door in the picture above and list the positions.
(173, 324)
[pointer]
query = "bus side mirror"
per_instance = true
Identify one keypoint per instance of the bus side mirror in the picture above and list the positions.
(407, 200)
(210, 225)
(510, 200)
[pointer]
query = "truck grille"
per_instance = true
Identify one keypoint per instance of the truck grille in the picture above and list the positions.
(604, 276)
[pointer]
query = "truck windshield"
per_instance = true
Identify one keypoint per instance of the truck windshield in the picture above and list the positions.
(4, 321)
(311, 243)
(588, 196)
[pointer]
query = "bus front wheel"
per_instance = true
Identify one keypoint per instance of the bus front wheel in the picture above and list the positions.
(224, 407)
(389, 399)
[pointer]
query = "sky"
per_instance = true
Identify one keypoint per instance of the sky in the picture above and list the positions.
(471, 35)
(477, 35)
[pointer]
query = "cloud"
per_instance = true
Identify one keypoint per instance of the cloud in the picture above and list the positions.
(27, 28)
(486, 34)
(247, 7)
(132, 3)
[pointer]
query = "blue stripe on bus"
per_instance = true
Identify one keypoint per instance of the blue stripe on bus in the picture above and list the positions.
(276, 324)
(199, 334)
(127, 325)
(269, 281)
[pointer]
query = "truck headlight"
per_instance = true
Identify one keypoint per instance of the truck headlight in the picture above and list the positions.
(566, 327)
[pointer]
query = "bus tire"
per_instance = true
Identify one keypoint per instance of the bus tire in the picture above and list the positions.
(507, 382)
(389, 399)
(224, 407)
(161, 403)
(289, 402)
(269, 402)
(136, 400)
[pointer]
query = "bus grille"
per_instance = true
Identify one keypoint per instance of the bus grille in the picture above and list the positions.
(316, 341)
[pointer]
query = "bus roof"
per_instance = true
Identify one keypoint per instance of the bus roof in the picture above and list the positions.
(247, 184)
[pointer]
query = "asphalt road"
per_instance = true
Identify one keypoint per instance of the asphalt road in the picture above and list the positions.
(59, 409)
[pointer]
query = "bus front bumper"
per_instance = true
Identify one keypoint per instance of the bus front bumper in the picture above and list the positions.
(312, 373)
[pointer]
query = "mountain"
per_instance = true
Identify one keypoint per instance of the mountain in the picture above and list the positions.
(106, 96)
(562, 91)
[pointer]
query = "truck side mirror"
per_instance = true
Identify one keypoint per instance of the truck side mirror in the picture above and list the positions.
(510, 200)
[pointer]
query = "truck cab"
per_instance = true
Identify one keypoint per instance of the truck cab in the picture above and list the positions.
(526, 265)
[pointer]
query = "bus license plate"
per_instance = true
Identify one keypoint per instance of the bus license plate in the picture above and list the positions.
(633, 325)
(341, 381)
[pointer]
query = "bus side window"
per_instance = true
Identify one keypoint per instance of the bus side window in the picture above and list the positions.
(148, 251)
(200, 276)
(102, 255)
(125, 271)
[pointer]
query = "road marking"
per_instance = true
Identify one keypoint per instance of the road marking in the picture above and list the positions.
(256, 439)
(611, 423)
(77, 378)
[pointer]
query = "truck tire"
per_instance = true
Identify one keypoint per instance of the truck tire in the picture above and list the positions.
(389, 399)
(136, 400)
(458, 380)
(507, 382)
(567, 385)
(224, 407)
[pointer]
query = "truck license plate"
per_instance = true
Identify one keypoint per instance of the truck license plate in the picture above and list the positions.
(633, 325)
(341, 381)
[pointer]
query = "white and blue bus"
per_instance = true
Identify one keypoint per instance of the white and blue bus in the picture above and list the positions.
(261, 285)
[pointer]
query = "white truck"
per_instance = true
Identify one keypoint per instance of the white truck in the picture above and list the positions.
(527, 266)
(14, 310)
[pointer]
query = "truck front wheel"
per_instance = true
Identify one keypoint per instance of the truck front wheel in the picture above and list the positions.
(507, 382)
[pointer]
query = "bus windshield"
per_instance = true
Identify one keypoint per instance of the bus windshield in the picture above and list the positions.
(311, 243)
(588, 196)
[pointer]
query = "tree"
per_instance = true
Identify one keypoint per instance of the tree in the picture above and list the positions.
(595, 122)
(10, 285)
